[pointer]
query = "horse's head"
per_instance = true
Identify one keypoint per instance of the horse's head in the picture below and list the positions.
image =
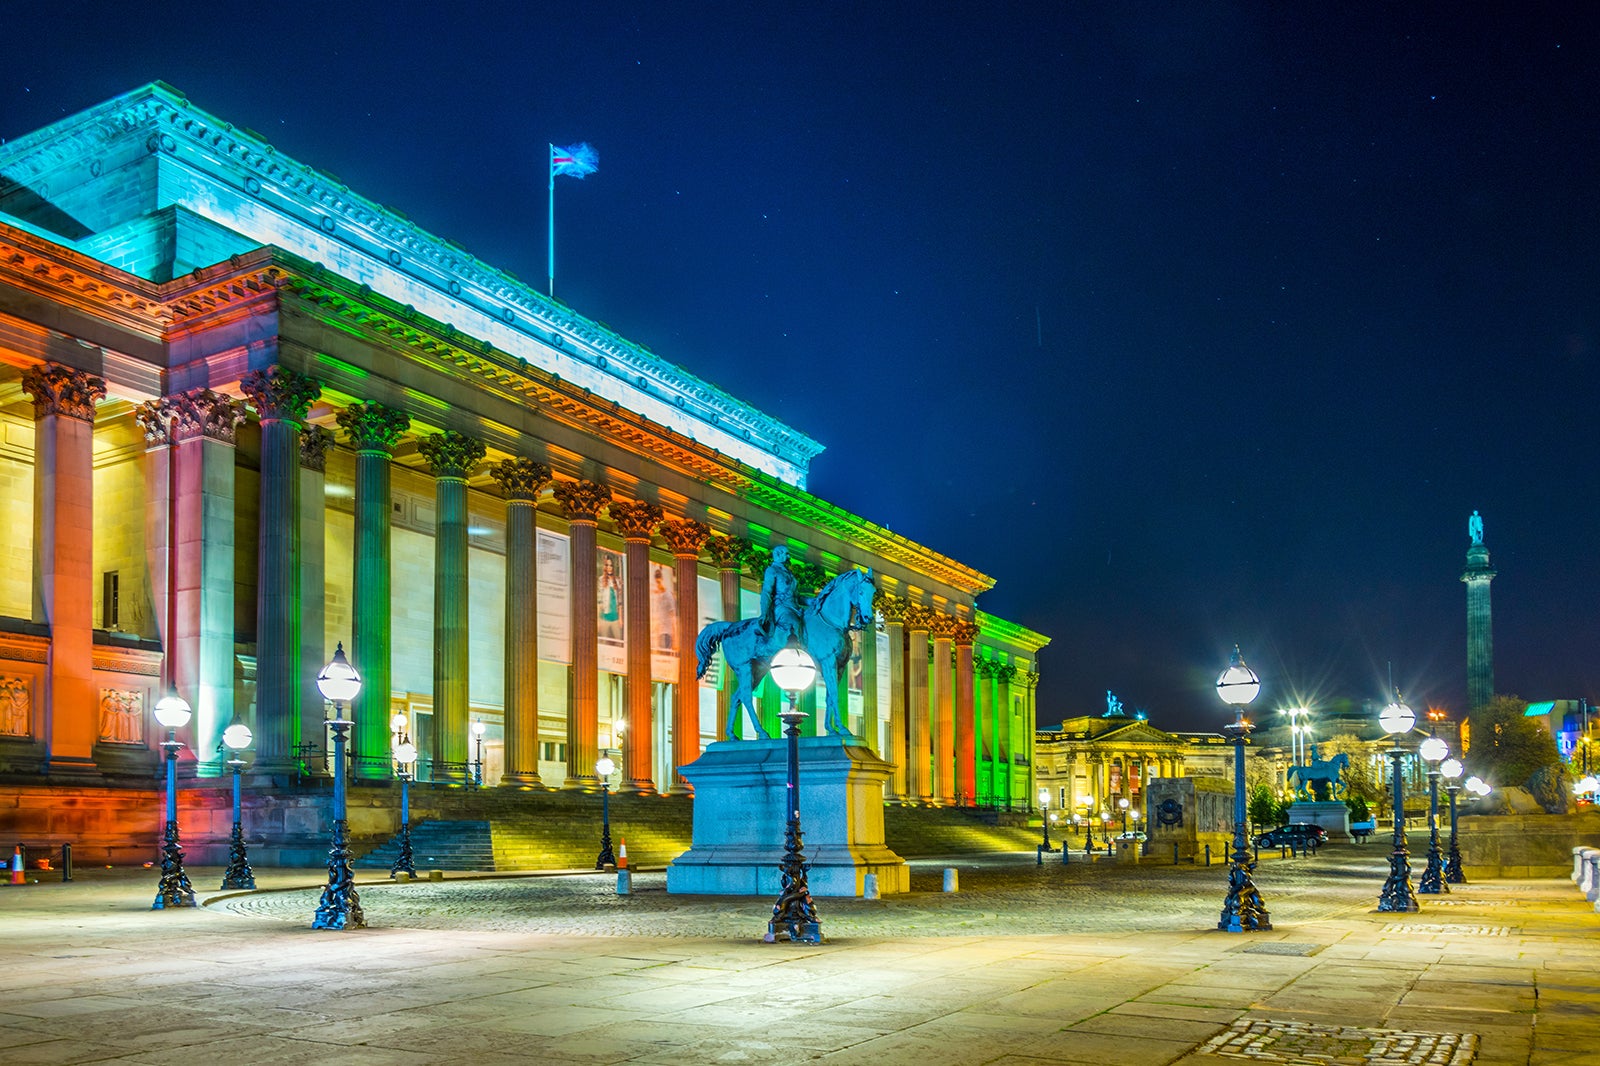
(862, 595)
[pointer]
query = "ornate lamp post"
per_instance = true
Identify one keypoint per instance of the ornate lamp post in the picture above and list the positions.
(603, 769)
(478, 728)
(174, 890)
(1044, 816)
(794, 914)
(1451, 769)
(1242, 910)
(340, 906)
(1432, 750)
(1122, 804)
(405, 756)
(237, 737)
(1397, 720)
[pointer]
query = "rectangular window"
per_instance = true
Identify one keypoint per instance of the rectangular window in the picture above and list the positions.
(109, 588)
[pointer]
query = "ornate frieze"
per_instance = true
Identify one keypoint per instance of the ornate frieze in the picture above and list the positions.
(280, 394)
(16, 707)
(919, 617)
(582, 500)
(521, 478)
(155, 420)
(373, 427)
(314, 444)
(121, 716)
(637, 520)
(203, 413)
(725, 552)
(964, 632)
(890, 608)
(685, 536)
(451, 454)
(62, 390)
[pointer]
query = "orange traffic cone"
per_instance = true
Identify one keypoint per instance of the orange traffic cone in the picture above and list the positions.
(622, 854)
(16, 867)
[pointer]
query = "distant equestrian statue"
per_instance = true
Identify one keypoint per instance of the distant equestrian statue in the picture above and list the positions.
(1320, 770)
(843, 604)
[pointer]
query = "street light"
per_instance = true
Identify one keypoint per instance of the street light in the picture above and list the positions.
(1451, 769)
(1243, 909)
(1044, 815)
(604, 767)
(1397, 720)
(174, 890)
(340, 906)
(237, 737)
(405, 755)
(1123, 804)
(478, 728)
(1432, 750)
(794, 914)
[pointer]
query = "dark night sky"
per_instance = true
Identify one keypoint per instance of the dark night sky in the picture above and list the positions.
(1189, 323)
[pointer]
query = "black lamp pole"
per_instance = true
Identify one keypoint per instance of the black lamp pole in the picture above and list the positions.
(405, 860)
(174, 889)
(607, 856)
(1432, 883)
(794, 914)
(340, 906)
(1242, 909)
(1397, 894)
(1453, 874)
(238, 873)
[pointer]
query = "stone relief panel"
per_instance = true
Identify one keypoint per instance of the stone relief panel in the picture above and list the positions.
(121, 716)
(16, 707)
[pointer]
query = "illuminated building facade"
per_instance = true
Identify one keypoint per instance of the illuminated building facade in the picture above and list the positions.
(248, 413)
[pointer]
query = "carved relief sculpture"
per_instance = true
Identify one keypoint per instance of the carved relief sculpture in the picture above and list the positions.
(16, 707)
(121, 716)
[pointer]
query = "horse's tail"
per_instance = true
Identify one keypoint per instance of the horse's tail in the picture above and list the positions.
(706, 644)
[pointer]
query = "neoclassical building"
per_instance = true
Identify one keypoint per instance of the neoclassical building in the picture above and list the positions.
(248, 414)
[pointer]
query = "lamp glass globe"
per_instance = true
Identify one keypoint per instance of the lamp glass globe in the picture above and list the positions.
(405, 754)
(1238, 684)
(1397, 718)
(237, 736)
(1451, 768)
(604, 767)
(339, 682)
(792, 669)
(1433, 749)
(173, 711)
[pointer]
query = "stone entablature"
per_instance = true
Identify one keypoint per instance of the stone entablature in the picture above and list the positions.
(287, 204)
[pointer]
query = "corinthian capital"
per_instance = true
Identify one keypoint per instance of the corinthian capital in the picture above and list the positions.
(685, 536)
(1005, 673)
(373, 427)
(314, 444)
(280, 394)
(582, 500)
(61, 390)
(521, 478)
(451, 454)
(919, 617)
(941, 625)
(636, 521)
(725, 551)
(203, 413)
(890, 608)
(156, 422)
(965, 632)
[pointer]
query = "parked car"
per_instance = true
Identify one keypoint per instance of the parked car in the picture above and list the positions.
(1295, 834)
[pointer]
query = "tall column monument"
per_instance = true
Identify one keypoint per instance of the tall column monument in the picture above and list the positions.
(1480, 634)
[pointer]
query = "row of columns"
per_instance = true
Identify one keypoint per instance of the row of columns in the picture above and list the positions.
(1101, 796)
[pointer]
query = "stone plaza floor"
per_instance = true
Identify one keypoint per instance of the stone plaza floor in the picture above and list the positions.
(1087, 963)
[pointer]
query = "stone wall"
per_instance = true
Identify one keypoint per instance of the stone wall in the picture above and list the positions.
(1519, 845)
(1201, 816)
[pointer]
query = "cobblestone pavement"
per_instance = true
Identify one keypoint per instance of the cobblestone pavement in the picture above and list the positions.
(1024, 966)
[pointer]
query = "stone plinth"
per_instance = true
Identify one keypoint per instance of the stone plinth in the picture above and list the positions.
(1333, 816)
(739, 818)
(1191, 813)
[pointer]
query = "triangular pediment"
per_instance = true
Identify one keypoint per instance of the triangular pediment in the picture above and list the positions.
(1136, 732)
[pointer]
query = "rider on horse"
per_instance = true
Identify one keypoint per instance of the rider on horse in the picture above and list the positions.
(780, 607)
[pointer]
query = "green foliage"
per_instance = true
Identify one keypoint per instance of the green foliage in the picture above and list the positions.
(1266, 808)
(1359, 811)
(1363, 779)
(1507, 748)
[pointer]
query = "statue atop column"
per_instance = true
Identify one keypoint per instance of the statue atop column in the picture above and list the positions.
(1475, 528)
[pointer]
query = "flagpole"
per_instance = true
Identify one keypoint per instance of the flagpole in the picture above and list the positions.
(551, 228)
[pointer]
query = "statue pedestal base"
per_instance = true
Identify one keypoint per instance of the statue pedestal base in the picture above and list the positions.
(739, 817)
(1333, 816)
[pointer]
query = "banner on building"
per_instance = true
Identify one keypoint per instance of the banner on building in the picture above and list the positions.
(855, 697)
(611, 610)
(555, 597)
(710, 611)
(664, 623)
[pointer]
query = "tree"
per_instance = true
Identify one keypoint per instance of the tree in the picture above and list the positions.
(1363, 779)
(1505, 746)
(1266, 808)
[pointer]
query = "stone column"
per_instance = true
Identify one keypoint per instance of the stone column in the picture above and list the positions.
(522, 480)
(583, 501)
(1480, 629)
(452, 457)
(892, 610)
(685, 537)
(637, 523)
(313, 535)
(985, 727)
(63, 563)
(1004, 673)
(726, 553)
(942, 628)
(869, 685)
(373, 430)
(281, 398)
(919, 784)
(963, 633)
(1030, 731)
(154, 419)
(204, 431)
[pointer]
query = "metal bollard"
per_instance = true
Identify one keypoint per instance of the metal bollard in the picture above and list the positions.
(952, 879)
(1208, 854)
(1066, 853)
(66, 862)
(1038, 854)
(1174, 854)
(869, 887)
(624, 882)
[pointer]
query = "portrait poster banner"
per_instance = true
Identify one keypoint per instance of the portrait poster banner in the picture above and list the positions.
(611, 610)
(664, 623)
(854, 695)
(710, 611)
(883, 674)
(555, 597)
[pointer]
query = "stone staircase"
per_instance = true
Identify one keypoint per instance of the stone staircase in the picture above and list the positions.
(438, 845)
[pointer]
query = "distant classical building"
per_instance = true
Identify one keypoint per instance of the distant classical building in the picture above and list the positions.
(246, 413)
(1091, 763)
